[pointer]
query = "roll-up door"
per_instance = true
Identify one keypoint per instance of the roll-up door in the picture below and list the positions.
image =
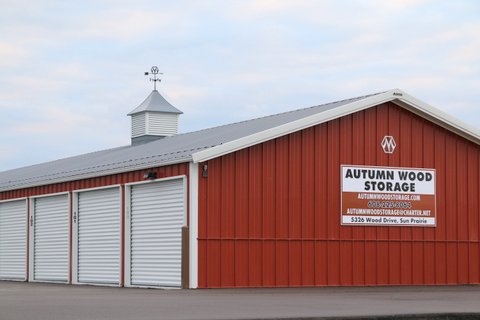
(51, 238)
(13, 240)
(157, 217)
(99, 237)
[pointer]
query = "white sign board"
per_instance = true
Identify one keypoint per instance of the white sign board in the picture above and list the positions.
(387, 196)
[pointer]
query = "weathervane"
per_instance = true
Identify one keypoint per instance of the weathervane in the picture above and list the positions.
(154, 71)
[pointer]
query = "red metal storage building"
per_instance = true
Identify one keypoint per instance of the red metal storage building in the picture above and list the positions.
(376, 190)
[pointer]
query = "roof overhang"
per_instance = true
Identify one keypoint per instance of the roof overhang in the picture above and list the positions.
(396, 96)
(93, 174)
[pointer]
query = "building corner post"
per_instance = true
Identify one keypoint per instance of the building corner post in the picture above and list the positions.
(193, 225)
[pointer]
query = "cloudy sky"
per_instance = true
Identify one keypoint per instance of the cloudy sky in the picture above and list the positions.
(70, 71)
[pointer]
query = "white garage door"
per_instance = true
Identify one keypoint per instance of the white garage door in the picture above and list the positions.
(13, 240)
(99, 237)
(51, 238)
(157, 216)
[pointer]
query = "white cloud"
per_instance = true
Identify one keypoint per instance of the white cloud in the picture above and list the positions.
(72, 70)
(11, 54)
(54, 121)
(125, 24)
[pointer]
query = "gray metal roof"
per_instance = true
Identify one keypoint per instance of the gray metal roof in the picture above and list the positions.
(168, 150)
(156, 103)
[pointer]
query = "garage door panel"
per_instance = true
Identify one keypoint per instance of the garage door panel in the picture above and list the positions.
(106, 239)
(51, 238)
(157, 223)
(169, 219)
(157, 217)
(99, 236)
(53, 220)
(13, 239)
(95, 211)
(11, 218)
(157, 237)
(106, 263)
(98, 218)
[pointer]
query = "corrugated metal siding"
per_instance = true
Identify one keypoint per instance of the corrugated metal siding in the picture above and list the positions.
(13, 240)
(165, 124)
(51, 216)
(157, 217)
(114, 179)
(99, 236)
(269, 215)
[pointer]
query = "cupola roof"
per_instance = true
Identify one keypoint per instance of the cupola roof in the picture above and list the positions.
(155, 103)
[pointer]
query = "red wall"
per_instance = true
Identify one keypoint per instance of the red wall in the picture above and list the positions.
(269, 215)
(121, 178)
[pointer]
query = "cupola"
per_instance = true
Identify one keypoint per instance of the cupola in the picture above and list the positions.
(154, 118)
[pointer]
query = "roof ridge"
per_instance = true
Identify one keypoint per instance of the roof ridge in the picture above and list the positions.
(275, 114)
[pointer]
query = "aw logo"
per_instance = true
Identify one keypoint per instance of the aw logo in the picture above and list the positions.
(388, 144)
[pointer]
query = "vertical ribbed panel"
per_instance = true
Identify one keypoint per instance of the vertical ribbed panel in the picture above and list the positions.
(99, 236)
(157, 215)
(51, 234)
(138, 124)
(13, 239)
(162, 124)
(269, 215)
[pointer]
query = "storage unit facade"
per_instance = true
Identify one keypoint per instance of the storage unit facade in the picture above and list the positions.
(76, 230)
(269, 215)
(263, 203)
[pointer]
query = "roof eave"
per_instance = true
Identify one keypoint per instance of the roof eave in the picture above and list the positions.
(438, 117)
(154, 111)
(96, 174)
(397, 96)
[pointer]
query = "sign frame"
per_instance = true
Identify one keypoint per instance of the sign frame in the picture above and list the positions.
(375, 224)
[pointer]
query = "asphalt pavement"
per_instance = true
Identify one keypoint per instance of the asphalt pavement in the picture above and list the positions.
(39, 301)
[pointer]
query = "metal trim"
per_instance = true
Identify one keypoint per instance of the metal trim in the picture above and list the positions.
(97, 188)
(127, 236)
(16, 199)
(156, 180)
(49, 195)
(193, 225)
(74, 220)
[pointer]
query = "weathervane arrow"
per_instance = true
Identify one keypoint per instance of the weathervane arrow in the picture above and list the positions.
(154, 71)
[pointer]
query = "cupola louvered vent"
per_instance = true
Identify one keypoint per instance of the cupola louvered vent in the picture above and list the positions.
(162, 123)
(138, 124)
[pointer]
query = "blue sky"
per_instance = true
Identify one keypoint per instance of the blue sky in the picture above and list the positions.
(71, 71)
